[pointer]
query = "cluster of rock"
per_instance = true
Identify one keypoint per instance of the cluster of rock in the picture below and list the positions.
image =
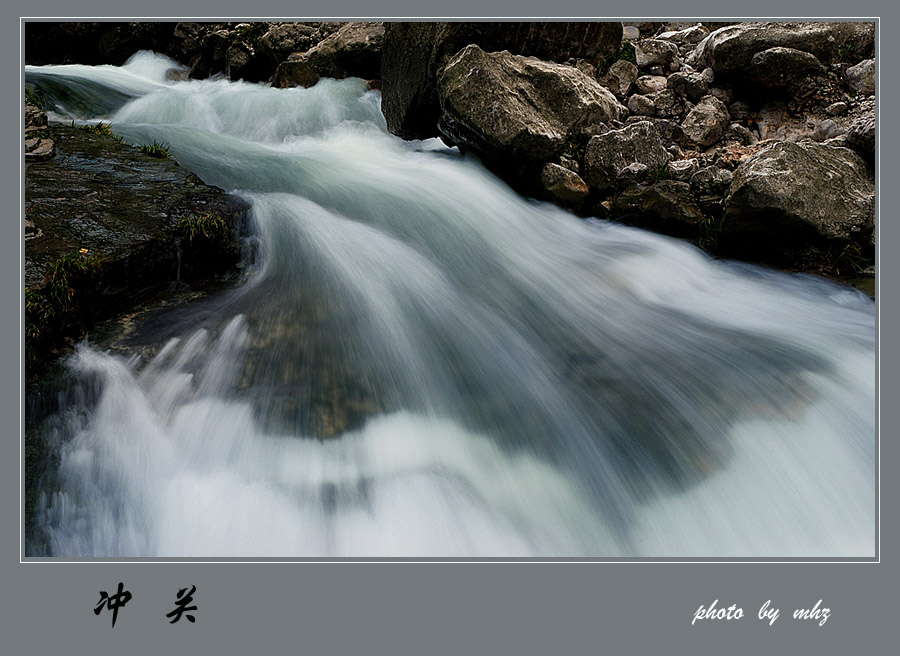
(756, 140)
(283, 54)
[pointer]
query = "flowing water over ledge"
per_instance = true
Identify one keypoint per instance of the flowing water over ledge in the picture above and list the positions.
(499, 377)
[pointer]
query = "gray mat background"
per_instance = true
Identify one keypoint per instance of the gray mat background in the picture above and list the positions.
(445, 607)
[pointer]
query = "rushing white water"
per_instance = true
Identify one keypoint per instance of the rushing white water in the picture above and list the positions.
(503, 379)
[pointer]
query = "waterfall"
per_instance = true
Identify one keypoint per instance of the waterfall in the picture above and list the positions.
(421, 362)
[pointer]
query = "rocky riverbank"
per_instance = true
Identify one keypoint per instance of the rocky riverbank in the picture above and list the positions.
(108, 226)
(755, 141)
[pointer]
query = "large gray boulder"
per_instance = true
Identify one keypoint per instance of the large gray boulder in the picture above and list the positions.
(730, 50)
(794, 196)
(608, 155)
(519, 112)
(414, 54)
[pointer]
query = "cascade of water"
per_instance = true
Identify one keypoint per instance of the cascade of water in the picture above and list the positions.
(504, 379)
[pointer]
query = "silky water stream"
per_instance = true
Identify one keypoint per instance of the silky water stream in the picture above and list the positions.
(421, 362)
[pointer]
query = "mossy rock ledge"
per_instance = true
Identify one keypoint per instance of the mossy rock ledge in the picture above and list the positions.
(112, 227)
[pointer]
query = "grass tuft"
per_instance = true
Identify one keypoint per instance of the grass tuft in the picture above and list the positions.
(206, 225)
(156, 149)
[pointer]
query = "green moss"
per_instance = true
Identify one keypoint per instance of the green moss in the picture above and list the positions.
(156, 149)
(207, 225)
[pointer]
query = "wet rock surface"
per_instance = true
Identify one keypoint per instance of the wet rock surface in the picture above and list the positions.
(108, 227)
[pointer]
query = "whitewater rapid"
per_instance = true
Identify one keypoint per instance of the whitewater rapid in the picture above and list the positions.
(493, 377)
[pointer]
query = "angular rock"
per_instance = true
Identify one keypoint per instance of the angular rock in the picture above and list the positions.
(620, 76)
(608, 154)
(737, 132)
(689, 35)
(647, 84)
(668, 104)
(414, 54)
(39, 145)
(861, 78)
(295, 72)
(730, 50)
(519, 111)
(827, 129)
(739, 111)
(692, 86)
(653, 52)
(794, 196)
(240, 63)
(683, 169)
(282, 40)
(667, 206)
(861, 135)
(785, 69)
(352, 51)
(641, 105)
(711, 181)
(564, 185)
(706, 122)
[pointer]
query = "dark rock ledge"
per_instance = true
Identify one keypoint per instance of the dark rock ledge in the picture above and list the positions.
(109, 227)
